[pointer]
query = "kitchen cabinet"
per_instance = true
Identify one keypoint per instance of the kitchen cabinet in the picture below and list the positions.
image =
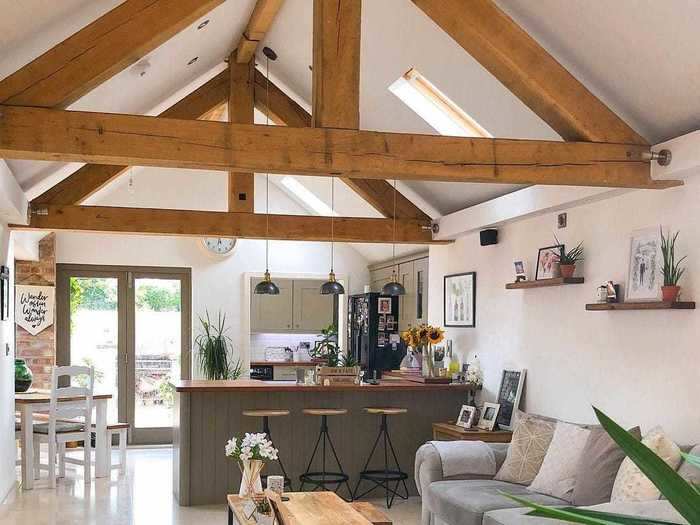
(380, 277)
(299, 307)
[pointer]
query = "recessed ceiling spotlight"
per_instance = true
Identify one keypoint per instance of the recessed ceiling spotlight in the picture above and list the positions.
(192, 61)
(203, 24)
(141, 67)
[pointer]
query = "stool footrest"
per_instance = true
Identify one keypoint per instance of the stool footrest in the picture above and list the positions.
(383, 475)
(324, 478)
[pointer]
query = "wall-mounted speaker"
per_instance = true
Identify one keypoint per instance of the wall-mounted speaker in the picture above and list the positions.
(488, 237)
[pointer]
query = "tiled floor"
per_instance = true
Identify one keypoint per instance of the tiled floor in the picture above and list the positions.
(143, 496)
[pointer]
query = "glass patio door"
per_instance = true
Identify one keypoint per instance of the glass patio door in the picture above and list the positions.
(133, 326)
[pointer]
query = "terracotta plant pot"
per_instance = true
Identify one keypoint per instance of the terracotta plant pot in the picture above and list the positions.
(669, 294)
(567, 270)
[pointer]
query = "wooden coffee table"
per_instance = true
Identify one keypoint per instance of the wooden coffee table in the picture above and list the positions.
(315, 508)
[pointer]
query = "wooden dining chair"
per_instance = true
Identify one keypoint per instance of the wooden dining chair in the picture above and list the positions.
(70, 419)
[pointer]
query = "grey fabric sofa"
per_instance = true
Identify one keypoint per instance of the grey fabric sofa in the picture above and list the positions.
(463, 500)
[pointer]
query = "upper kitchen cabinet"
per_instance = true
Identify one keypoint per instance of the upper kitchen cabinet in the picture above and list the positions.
(312, 311)
(299, 307)
(412, 272)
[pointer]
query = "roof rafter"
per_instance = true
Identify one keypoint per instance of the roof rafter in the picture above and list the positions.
(259, 24)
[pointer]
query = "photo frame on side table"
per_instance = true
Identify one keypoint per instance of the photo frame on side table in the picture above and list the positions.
(466, 417)
(4, 293)
(489, 415)
(548, 262)
(459, 296)
(509, 394)
(644, 278)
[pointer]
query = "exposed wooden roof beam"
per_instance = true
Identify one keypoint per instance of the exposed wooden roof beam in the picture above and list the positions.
(45, 134)
(101, 49)
(259, 24)
(201, 103)
(224, 224)
(528, 70)
(241, 106)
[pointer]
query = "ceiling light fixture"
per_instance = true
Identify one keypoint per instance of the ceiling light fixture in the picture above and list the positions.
(394, 287)
(331, 286)
(266, 286)
(192, 61)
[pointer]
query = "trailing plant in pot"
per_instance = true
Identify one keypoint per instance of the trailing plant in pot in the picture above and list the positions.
(326, 348)
(672, 269)
(215, 350)
(568, 259)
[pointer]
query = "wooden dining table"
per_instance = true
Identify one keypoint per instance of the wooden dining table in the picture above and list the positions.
(34, 402)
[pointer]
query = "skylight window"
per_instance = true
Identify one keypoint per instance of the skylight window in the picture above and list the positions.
(433, 106)
(307, 197)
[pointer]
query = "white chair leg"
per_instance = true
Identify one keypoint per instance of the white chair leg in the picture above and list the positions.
(62, 460)
(122, 451)
(52, 461)
(87, 459)
(37, 457)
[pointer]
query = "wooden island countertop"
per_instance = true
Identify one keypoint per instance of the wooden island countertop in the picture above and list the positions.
(255, 385)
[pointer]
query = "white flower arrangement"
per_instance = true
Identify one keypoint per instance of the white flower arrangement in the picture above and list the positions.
(251, 447)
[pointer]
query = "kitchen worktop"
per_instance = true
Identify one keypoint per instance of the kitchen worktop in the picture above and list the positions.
(284, 363)
(254, 385)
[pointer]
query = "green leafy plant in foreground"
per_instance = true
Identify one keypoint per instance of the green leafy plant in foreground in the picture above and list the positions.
(684, 497)
(215, 349)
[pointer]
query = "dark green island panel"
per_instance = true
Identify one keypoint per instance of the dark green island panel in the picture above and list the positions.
(208, 413)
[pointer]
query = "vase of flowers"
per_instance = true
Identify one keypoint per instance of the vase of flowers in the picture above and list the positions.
(423, 337)
(251, 453)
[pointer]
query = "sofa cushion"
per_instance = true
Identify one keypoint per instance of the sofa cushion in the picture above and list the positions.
(557, 475)
(598, 467)
(631, 484)
(465, 502)
(527, 449)
(658, 510)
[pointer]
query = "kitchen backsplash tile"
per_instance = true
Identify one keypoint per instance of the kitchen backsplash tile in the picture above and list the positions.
(258, 342)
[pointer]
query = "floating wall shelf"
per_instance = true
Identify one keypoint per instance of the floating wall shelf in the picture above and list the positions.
(543, 283)
(657, 305)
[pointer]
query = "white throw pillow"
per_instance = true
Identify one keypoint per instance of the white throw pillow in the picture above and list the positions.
(631, 484)
(557, 476)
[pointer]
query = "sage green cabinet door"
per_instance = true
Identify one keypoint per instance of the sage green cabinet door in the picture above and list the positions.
(272, 313)
(407, 302)
(380, 277)
(312, 311)
(420, 268)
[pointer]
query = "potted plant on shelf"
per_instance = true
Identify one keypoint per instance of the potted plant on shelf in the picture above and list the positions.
(251, 453)
(672, 269)
(215, 349)
(568, 260)
(326, 349)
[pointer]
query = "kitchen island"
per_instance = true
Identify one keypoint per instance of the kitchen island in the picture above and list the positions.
(208, 413)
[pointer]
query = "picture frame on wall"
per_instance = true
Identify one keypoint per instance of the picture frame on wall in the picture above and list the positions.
(466, 416)
(520, 271)
(459, 296)
(489, 415)
(509, 394)
(4, 293)
(644, 277)
(384, 305)
(548, 262)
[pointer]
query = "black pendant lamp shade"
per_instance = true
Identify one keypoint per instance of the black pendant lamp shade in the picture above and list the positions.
(266, 286)
(394, 287)
(331, 286)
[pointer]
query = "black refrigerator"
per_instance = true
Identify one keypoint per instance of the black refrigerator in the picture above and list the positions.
(373, 332)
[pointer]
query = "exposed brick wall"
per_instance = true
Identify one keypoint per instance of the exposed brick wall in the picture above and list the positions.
(39, 351)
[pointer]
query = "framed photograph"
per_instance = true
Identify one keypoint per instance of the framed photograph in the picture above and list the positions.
(4, 293)
(466, 417)
(520, 271)
(548, 262)
(644, 278)
(385, 305)
(509, 394)
(489, 414)
(460, 300)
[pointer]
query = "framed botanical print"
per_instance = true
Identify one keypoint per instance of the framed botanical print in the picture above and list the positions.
(460, 300)
(644, 278)
(548, 262)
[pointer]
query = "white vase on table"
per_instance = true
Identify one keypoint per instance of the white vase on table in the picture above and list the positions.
(250, 477)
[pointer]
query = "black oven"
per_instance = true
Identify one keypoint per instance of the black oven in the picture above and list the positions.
(261, 372)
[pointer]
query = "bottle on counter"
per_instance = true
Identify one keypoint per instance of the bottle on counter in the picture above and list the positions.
(453, 366)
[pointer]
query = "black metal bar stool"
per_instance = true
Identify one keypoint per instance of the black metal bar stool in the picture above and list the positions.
(382, 478)
(323, 478)
(266, 415)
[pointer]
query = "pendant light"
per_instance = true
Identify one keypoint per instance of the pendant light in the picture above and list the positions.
(332, 287)
(266, 286)
(394, 287)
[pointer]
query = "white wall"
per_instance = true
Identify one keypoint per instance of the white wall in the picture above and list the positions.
(641, 367)
(217, 283)
(7, 374)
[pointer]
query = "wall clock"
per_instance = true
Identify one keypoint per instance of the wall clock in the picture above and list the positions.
(219, 245)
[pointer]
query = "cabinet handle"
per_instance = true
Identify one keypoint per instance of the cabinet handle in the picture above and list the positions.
(289, 326)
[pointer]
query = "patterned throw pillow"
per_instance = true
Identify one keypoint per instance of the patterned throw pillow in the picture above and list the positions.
(527, 449)
(631, 484)
(557, 475)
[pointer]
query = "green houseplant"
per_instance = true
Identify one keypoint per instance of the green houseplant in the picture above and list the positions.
(568, 259)
(672, 268)
(215, 350)
(326, 348)
(684, 497)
